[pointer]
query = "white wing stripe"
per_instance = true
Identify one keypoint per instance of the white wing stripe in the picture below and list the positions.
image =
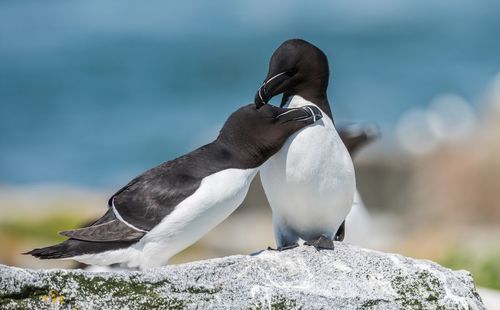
(119, 217)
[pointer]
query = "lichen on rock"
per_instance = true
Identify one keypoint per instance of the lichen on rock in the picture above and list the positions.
(347, 278)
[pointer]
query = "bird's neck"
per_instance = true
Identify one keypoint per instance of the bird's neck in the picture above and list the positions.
(239, 153)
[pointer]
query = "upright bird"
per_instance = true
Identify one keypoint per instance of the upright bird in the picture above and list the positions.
(310, 182)
(358, 221)
(169, 207)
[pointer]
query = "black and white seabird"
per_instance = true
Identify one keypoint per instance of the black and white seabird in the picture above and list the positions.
(169, 207)
(355, 137)
(310, 182)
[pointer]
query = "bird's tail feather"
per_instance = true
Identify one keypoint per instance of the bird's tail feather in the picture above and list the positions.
(61, 250)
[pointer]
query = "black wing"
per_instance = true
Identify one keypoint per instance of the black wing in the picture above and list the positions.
(150, 197)
(146, 200)
(107, 229)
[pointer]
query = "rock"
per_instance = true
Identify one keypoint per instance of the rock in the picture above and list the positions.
(347, 278)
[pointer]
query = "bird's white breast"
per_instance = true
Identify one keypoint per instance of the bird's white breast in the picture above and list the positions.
(217, 197)
(310, 182)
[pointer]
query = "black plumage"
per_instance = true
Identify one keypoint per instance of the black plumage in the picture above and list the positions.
(248, 138)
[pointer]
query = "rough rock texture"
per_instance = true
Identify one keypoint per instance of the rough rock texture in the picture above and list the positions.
(346, 278)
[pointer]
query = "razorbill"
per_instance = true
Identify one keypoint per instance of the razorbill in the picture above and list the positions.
(169, 207)
(310, 182)
(355, 137)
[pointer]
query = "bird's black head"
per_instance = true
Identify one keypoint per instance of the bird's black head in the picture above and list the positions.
(296, 68)
(260, 133)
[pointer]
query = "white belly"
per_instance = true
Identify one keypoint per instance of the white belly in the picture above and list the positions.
(310, 182)
(217, 197)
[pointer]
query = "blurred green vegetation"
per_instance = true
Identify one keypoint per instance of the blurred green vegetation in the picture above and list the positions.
(46, 228)
(485, 267)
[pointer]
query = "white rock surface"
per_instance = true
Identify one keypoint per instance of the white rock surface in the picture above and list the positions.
(491, 298)
(346, 278)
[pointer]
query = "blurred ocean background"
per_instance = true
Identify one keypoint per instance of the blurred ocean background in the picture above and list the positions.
(92, 93)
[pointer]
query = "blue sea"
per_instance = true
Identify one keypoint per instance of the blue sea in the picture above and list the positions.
(94, 92)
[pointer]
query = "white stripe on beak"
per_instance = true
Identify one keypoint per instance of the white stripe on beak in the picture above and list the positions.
(266, 82)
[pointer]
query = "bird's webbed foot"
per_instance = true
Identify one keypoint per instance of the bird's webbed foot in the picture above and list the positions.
(321, 243)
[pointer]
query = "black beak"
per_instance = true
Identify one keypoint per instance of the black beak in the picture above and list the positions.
(270, 88)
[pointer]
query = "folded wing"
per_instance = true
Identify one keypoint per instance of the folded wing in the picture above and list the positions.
(112, 231)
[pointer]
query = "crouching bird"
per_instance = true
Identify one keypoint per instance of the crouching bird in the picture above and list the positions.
(169, 207)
